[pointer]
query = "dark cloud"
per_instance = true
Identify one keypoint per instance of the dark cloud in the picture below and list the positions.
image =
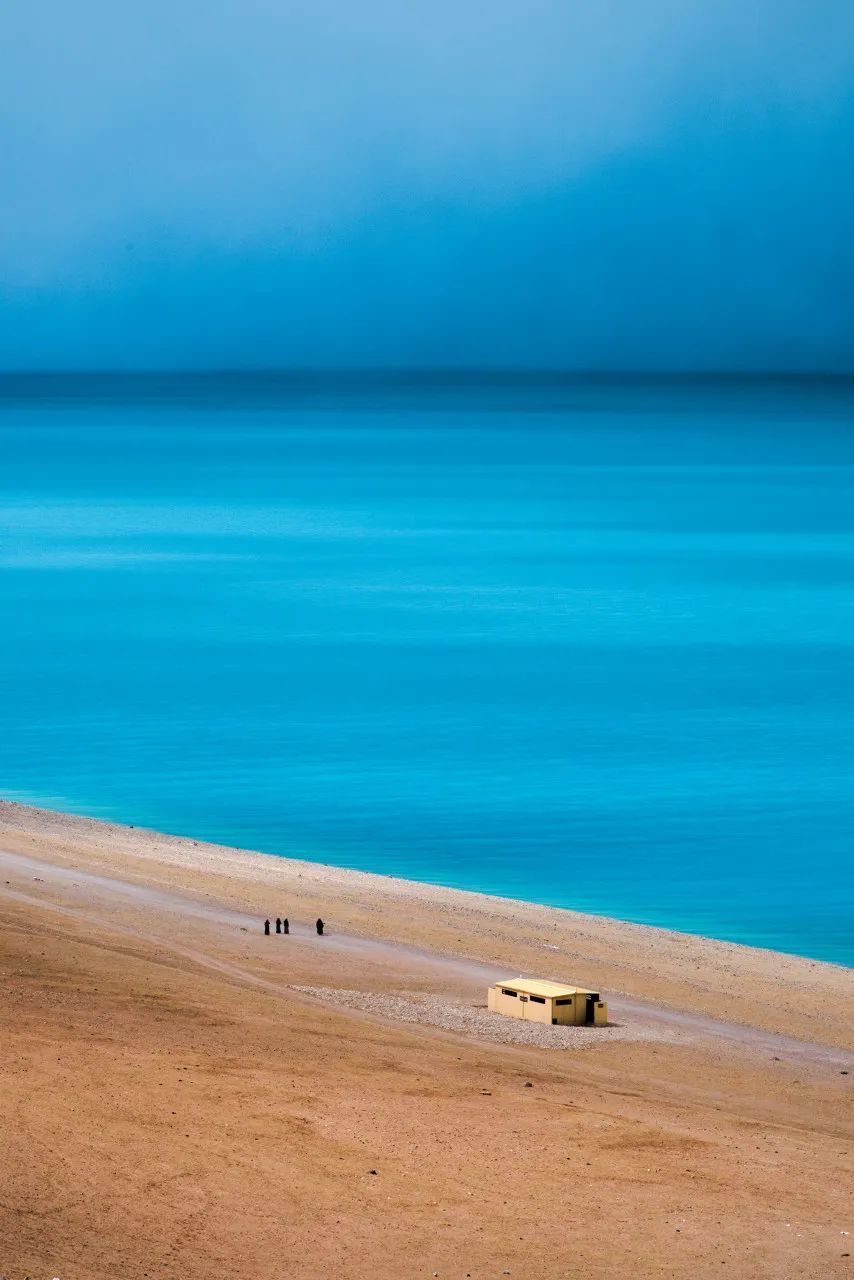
(589, 183)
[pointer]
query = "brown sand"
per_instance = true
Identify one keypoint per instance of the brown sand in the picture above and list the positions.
(173, 1106)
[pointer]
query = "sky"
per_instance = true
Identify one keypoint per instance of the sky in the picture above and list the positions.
(578, 184)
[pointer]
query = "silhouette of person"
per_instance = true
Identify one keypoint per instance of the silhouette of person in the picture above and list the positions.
(267, 928)
(318, 924)
(286, 927)
(278, 924)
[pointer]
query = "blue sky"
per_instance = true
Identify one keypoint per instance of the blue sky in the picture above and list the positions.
(574, 184)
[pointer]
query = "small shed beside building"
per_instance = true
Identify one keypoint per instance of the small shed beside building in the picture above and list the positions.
(550, 1002)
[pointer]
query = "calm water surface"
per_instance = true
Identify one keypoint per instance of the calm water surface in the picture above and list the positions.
(588, 643)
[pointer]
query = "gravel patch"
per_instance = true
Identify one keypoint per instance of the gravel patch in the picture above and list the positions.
(479, 1023)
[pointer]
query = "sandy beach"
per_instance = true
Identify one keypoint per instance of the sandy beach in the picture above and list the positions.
(185, 1097)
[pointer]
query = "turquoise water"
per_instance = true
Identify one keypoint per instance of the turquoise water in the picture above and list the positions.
(584, 642)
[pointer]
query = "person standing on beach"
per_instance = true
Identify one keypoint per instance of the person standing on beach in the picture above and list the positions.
(286, 927)
(318, 924)
(278, 924)
(267, 928)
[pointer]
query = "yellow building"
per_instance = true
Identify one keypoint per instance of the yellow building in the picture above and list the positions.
(550, 1002)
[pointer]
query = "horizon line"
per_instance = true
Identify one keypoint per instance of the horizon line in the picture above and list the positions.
(431, 371)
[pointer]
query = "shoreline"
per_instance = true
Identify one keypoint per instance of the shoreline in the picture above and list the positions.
(812, 1000)
(404, 884)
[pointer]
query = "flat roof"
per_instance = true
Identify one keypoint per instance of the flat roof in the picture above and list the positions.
(539, 987)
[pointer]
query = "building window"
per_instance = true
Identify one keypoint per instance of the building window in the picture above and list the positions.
(537, 999)
(505, 992)
(564, 1001)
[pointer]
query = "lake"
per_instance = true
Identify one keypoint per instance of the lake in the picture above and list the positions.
(580, 641)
